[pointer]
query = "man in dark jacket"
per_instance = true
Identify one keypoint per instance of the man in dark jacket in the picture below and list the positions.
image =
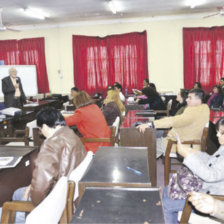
(12, 89)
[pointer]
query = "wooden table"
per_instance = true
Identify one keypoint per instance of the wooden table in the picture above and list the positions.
(123, 205)
(117, 166)
(19, 176)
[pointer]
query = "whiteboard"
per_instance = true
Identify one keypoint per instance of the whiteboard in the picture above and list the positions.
(27, 74)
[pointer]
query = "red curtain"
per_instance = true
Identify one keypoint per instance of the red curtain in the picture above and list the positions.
(99, 62)
(27, 52)
(203, 56)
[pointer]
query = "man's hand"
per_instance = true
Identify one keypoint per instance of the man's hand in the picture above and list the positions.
(142, 127)
(203, 202)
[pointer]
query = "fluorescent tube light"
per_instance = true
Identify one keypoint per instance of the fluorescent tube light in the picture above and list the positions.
(34, 13)
(112, 7)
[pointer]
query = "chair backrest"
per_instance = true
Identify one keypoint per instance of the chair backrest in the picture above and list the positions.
(204, 137)
(110, 140)
(133, 137)
(51, 208)
(77, 174)
(168, 106)
(116, 125)
(37, 139)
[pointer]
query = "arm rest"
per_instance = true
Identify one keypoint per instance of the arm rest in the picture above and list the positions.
(9, 209)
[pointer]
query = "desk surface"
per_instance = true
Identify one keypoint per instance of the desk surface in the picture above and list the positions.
(123, 205)
(15, 150)
(119, 165)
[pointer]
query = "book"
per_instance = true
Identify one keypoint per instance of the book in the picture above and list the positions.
(9, 161)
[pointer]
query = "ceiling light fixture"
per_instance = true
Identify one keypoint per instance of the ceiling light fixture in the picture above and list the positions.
(194, 3)
(112, 6)
(35, 13)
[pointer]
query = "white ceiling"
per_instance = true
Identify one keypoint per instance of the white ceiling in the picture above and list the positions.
(62, 11)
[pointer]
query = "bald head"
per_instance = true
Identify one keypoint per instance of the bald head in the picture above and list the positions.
(12, 72)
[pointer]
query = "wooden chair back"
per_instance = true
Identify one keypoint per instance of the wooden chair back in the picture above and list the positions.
(9, 209)
(167, 162)
(133, 137)
(110, 140)
(37, 139)
(19, 136)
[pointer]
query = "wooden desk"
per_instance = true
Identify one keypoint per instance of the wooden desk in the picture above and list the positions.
(19, 176)
(117, 166)
(123, 205)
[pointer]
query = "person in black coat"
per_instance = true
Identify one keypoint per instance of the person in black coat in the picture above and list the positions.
(12, 89)
(216, 99)
(153, 100)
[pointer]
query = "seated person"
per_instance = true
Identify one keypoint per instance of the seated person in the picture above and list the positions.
(145, 83)
(222, 83)
(89, 120)
(209, 168)
(74, 91)
(59, 155)
(153, 100)
(216, 99)
(207, 204)
(181, 105)
(113, 107)
(188, 125)
(152, 85)
(197, 85)
(98, 99)
(118, 88)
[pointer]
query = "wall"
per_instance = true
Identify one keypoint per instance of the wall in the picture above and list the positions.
(165, 52)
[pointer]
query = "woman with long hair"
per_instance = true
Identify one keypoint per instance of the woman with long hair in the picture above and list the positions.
(113, 106)
(89, 120)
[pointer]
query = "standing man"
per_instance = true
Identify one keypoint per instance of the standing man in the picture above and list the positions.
(12, 89)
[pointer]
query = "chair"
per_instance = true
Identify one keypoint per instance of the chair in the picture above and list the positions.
(169, 154)
(20, 136)
(52, 209)
(37, 139)
(111, 140)
(77, 174)
(116, 124)
(187, 217)
(133, 137)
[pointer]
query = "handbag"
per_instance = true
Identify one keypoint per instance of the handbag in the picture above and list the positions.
(182, 183)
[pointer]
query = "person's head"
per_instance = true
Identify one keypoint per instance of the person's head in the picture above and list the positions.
(217, 89)
(145, 83)
(195, 97)
(220, 130)
(113, 96)
(74, 91)
(182, 96)
(49, 119)
(82, 99)
(110, 87)
(12, 72)
(149, 92)
(118, 87)
(152, 85)
(222, 81)
(197, 85)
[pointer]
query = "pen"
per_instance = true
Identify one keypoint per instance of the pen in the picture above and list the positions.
(135, 171)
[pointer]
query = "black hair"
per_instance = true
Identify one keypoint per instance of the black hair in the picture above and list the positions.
(152, 85)
(184, 95)
(219, 123)
(198, 84)
(219, 88)
(198, 93)
(222, 79)
(51, 117)
(110, 87)
(147, 81)
(75, 89)
(149, 92)
(118, 85)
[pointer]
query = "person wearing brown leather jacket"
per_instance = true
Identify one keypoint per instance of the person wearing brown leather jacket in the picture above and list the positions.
(61, 152)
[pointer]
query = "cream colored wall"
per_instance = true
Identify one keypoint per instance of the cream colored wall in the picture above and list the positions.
(165, 52)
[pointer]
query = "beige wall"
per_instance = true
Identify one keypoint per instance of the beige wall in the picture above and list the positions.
(165, 52)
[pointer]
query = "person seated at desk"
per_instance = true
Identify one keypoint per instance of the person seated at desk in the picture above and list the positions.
(113, 107)
(60, 153)
(89, 120)
(74, 91)
(118, 88)
(153, 100)
(209, 168)
(181, 105)
(216, 99)
(190, 124)
(197, 85)
(207, 204)
(12, 89)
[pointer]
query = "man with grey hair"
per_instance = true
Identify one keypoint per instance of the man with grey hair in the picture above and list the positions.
(12, 89)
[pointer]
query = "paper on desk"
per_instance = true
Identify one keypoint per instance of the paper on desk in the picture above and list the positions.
(9, 161)
(31, 104)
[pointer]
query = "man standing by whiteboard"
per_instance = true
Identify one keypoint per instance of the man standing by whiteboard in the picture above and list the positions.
(12, 89)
